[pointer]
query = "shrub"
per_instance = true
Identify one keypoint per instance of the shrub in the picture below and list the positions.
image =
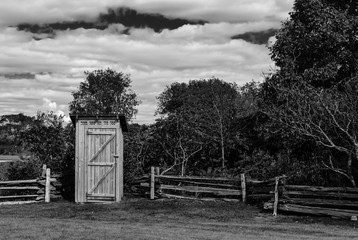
(26, 169)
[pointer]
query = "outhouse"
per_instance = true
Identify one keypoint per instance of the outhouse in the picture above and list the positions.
(99, 157)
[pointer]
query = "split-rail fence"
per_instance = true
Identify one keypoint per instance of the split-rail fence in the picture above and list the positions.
(275, 194)
(41, 189)
(242, 188)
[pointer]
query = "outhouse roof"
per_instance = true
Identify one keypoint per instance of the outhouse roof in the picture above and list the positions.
(120, 117)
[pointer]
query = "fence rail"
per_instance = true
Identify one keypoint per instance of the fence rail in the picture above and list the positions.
(339, 202)
(42, 189)
(192, 187)
(277, 196)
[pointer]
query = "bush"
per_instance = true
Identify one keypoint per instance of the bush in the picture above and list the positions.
(46, 139)
(26, 169)
(48, 142)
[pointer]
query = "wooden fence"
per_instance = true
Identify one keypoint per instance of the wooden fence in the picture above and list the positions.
(322, 201)
(242, 189)
(42, 189)
(278, 196)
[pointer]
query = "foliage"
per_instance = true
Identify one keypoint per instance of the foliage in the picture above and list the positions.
(207, 127)
(247, 99)
(40, 140)
(136, 150)
(205, 109)
(327, 116)
(311, 97)
(46, 140)
(105, 92)
(318, 44)
(28, 169)
(178, 142)
(10, 127)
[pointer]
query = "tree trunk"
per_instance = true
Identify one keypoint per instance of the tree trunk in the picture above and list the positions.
(349, 171)
(355, 158)
(183, 166)
(222, 154)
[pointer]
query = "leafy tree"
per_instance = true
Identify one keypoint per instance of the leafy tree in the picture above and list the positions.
(45, 140)
(207, 107)
(10, 127)
(318, 44)
(247, 99)
(105, 92)
(173, 98)
(312, 94)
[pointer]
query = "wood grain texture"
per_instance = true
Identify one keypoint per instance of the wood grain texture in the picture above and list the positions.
(99, 159)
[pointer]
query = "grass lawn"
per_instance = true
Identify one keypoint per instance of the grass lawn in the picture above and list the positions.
(137, 218)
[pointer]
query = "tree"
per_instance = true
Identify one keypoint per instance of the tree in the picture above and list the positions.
(105, 92)
(318, 44)
(214, 104)
(46, 140)
(312, 93)
(207, 107)
(328, 116)
(178, 142)
(10, 127)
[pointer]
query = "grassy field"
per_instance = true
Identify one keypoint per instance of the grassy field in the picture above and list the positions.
(163, 219)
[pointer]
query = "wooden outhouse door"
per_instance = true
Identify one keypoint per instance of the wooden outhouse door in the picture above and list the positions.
(101, 163)
(99, 158)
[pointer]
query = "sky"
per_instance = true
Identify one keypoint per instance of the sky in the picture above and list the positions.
(47, 45)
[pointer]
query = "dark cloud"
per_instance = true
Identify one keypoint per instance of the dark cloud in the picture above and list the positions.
(18, 75)
(260, 37)
(129, 18)
(50, 28)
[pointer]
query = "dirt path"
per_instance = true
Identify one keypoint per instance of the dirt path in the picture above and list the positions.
(145, 219)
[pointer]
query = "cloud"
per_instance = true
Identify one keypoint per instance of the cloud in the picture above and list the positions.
(217, 11)
(42, 74)
(13, 12)
(49, 105)
(271, 41)
(209, 32)
(124, 16)
(18, 75)
(154, 60)
(261, 37)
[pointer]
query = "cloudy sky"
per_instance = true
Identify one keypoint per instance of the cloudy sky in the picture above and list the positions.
(46, 45)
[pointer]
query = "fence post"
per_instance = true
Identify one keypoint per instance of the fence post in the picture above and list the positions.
(243, 187)
(47, 185)
(157, 171)
(275, 205)
(152, 181)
